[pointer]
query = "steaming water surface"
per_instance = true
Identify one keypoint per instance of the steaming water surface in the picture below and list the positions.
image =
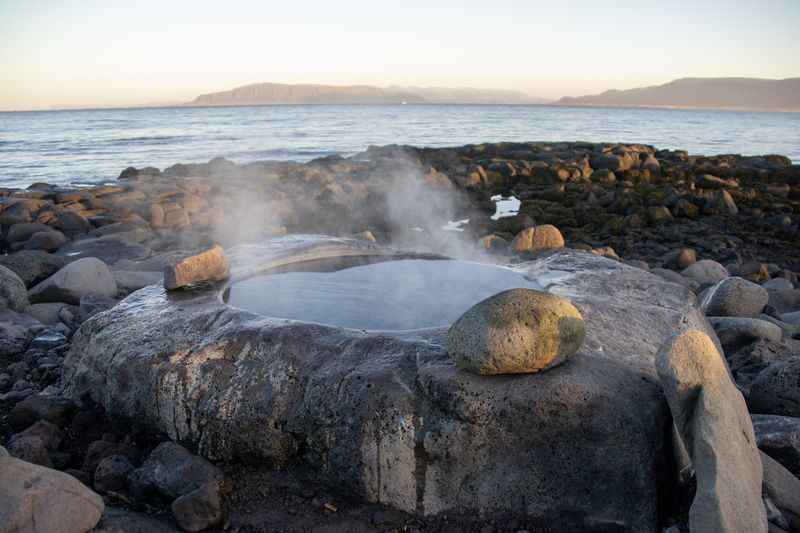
(393, 295)
(95, 145)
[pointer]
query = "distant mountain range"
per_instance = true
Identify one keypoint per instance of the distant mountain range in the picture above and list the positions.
(718, 93)
(279, 93)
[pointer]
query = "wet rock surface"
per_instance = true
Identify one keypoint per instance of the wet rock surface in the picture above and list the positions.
(390, 384)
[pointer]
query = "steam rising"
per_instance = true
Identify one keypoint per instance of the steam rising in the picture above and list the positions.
(391, 193)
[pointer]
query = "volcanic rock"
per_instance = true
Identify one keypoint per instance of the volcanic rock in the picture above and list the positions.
(706, 272)
(389, 418)
(516, 332)
(14, 339)
(713, 422)
(211, 265)
(172, 471)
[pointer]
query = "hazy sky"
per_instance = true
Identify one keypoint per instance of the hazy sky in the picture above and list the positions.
(67, 53)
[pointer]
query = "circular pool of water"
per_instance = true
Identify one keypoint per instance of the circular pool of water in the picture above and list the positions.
(390, 295)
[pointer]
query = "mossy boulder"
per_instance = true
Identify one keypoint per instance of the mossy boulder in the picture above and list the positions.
(518, 331)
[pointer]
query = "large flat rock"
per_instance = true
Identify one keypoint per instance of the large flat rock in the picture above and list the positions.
(387, 416)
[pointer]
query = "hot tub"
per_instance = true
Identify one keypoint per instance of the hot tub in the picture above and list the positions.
(389, 295)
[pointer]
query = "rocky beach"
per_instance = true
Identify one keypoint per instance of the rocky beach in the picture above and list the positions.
(630, 361)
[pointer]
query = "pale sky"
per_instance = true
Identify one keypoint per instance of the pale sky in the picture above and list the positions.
(95, 53)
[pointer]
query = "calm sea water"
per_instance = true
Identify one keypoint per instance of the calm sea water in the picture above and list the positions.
(83, 146)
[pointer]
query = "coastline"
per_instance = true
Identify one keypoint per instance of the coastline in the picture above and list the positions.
(553, 104)
(633, 235)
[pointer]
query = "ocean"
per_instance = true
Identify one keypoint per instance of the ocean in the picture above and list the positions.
(90, 146)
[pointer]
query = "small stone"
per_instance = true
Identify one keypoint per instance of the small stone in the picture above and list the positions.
(52, 408)
(680, 259)
(199, 509)
(100, 449)
(516, 331)
(735, 297)
(49, 241)
(753, 271)
(706, 272)
(211, 265)
(493, 243)
(536, 238)
(724, 203)
(172, 471)
(29, 448)
(111, 473)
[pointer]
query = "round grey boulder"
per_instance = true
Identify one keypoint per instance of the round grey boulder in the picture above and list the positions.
(735, 297)
(735, 332)
(706, 272)
(13, 294)
(49, 241)
(87, 276)
(516, 332)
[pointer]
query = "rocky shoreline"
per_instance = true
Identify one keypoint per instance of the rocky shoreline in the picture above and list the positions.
(669, 238)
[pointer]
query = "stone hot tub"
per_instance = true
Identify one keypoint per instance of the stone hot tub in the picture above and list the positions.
(399, 294)
(367, 395)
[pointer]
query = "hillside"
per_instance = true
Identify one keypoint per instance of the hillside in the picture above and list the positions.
(278, 93)
(720, 93)
(467, 95)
